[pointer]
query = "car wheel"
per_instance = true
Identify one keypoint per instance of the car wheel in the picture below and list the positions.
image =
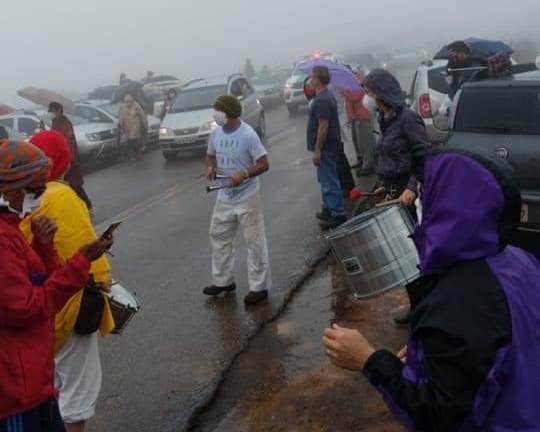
(261, 129)
(293, 109)
(170, 156)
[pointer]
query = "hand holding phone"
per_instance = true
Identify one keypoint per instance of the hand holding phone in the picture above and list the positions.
(107, 235)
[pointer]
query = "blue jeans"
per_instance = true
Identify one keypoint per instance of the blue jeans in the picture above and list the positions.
(332, 194)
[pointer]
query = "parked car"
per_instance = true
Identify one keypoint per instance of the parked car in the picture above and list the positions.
(157, 87)
(429, 91)
(25, 123)
(501, 116)
(188, 124)
(269, 88)
(294, 91)
(102, 111)
(11, 134)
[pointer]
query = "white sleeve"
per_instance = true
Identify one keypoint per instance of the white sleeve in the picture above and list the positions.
(211, 149)
(256, 147)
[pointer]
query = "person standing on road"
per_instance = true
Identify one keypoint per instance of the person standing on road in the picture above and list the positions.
(74, 176)
(324, 140)
(133, 122)
(78, 367)
(236, 152)
(362, 135)
(474, 346)
(167, 104)
(34, 286)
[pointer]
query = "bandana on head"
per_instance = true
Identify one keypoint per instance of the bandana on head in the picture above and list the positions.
(21, 164)
(56, 148)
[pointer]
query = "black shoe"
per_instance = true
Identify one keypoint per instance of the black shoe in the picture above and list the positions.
(333, 222)
(402, 318)
(255, 297)
(324, 214)
(214, 290)
(365, 172)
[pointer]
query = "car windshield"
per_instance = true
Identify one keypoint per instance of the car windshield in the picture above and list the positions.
(273, 79)
(112, 109)
(499, 110)
(197, 98)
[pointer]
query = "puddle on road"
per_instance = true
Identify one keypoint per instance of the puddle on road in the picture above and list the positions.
(284, 382)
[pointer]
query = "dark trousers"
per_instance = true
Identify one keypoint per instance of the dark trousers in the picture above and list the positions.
(346, 178)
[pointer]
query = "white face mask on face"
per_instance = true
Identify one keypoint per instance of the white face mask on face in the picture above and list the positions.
(370, 103)
(29, 205)
(51, 116)
(220, 118)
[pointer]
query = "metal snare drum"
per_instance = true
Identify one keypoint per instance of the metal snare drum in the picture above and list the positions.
(376, 251)
(124, 306)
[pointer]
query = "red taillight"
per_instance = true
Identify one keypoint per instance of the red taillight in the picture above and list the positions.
(424, 106)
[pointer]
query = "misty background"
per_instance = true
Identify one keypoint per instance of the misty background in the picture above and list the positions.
(75, 46)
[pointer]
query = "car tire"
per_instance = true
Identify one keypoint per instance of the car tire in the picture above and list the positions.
(169, 156)
(261, 128)
(293, 110)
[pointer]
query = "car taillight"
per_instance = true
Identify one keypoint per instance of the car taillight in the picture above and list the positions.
(424, 105)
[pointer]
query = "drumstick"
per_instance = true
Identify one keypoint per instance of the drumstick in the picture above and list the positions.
(388, 203)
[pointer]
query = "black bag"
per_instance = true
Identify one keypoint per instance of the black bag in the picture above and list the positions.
(91, 312)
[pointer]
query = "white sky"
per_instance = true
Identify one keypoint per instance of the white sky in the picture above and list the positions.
(80, 44)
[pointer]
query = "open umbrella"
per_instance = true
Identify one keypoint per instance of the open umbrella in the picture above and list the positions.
(340, 75)
(44, 97)
(482, 48)
(5, 109)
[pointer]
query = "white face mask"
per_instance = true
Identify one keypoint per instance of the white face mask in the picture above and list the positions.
(51, 116)
(220, 118)
(370, 103)
(29, 205)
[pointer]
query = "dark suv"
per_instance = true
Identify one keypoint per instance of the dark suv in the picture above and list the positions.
(502, 116)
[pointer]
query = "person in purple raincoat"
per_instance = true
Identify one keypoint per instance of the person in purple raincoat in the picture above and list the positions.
(473, 355)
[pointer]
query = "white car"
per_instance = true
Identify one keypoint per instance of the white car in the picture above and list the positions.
(189, 122)
(102, 111)
(23, 122)
(429, 92)
(294, 92)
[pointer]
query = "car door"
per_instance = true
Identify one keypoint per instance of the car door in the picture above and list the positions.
(249, 103)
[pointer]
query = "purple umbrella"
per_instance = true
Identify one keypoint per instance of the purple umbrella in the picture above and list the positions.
(340, 75)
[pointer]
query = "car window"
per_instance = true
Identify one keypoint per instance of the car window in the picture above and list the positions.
(504, 110)
(28, 126)
(112, 109)
(197, 98)
(246, 88)
(437, 80)
(93, 115)
(7, 122)
(236, 88)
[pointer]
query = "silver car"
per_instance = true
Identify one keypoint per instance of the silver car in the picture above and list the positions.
(429, 92)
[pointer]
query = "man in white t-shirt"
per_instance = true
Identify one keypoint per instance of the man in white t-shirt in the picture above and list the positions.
(236, 151)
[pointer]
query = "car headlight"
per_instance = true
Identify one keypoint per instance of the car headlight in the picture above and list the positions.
(208, 126)
(93, 137)
(164, 131)
(288, 85)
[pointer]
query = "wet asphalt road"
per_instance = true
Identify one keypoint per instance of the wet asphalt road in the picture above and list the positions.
(169, 360)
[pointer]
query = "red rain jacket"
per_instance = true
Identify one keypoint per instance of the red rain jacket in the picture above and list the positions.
(29, 301)
(354, 103)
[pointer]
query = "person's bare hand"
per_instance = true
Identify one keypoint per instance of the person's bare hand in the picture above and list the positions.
(211, 173)
(317, 158)
(379, 192)
(43, 230)
(407, 198)
(106, 286)
(95, 250)
(237, 179)
(347, 348)
(402, 355)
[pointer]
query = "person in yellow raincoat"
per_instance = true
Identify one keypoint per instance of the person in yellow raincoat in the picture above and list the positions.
(78, 366)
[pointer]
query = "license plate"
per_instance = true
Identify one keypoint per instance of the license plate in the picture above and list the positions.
(524, 213)
(187, 140)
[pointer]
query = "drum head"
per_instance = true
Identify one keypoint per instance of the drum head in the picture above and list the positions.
(123, 296)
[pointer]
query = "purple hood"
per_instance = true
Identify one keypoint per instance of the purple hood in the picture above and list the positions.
(463, 214)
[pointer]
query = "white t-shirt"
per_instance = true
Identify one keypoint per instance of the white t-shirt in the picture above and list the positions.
(236, 151)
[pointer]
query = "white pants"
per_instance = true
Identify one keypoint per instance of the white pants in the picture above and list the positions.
(78, 377)
(226, 220)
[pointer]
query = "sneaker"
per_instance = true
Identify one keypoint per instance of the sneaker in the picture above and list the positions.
(402, 318)
(324, 214)
(214, 290)
(255, 297)
(333, 222)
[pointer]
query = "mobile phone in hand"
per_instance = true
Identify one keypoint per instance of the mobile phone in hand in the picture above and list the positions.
(109, 232)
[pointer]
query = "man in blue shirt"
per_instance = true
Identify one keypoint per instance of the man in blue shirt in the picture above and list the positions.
(324, 140)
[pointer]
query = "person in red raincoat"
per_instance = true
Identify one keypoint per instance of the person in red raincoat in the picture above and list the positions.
(74, 176)
(34, 286)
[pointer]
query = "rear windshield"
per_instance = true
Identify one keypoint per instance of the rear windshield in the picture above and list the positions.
(437, 80)
(501, 110)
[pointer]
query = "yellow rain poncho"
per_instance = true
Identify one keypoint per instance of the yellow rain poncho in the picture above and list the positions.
(70, 214)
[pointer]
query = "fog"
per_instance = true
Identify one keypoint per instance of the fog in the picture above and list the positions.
(76, 45)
